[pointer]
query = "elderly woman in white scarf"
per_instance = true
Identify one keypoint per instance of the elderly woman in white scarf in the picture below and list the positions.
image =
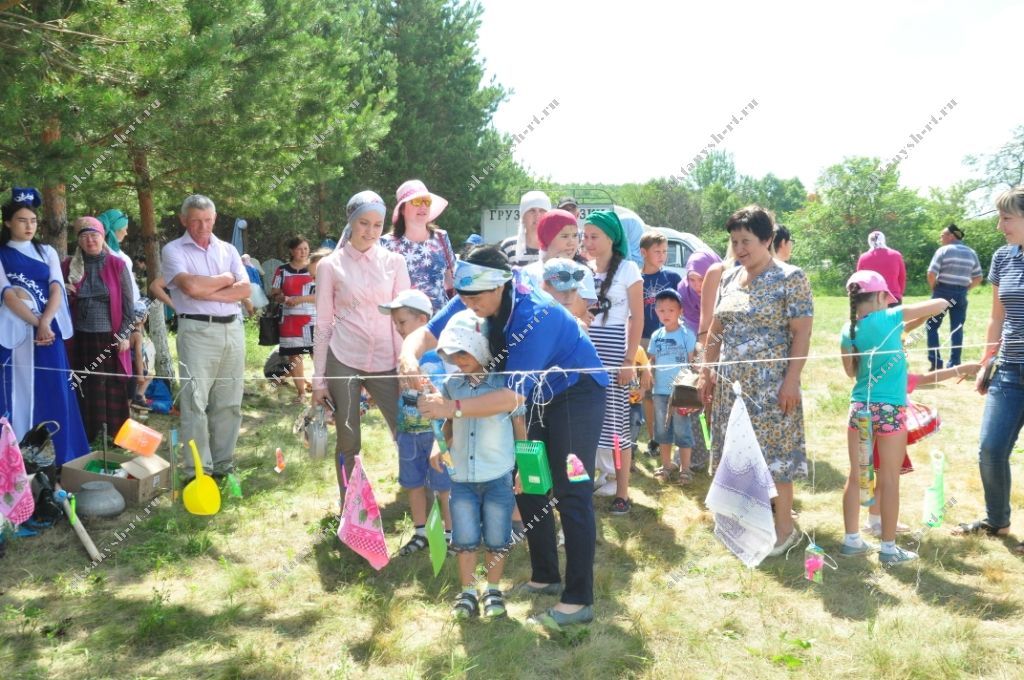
(525, 246)
(102, 312)
(887, 262)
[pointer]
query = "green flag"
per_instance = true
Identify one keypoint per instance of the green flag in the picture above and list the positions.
(435, 538)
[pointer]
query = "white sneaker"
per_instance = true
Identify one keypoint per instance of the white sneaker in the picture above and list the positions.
(608, 489)
(898, 557)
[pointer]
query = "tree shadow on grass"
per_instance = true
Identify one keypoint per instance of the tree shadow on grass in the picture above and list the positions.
(495, 647)
(140, 630)
(937, 590)
(849, 592)
(826, 478)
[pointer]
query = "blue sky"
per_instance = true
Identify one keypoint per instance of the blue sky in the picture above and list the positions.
(641, 85)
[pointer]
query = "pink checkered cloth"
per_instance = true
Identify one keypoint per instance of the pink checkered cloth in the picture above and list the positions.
(360, 527)
(16, 502)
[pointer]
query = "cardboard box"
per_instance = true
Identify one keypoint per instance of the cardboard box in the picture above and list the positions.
(152, 475)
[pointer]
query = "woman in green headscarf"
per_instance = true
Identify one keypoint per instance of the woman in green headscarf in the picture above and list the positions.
(115, 223)
(615, 331)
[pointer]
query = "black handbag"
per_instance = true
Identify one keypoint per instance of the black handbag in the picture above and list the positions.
(270, 325)
(40, 458)
(684, 391)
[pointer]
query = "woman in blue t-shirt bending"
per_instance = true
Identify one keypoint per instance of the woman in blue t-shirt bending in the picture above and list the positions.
(552, 366)
(873, 354)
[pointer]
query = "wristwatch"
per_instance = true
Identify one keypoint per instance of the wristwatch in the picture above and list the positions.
(458, 408)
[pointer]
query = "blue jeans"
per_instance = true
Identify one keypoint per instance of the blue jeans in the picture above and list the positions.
(414, 469)
(482, 509)
(669, 426)
(1000, 425)
(957, 296)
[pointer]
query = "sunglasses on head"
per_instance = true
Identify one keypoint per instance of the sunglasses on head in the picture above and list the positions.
(602, 306)
(421, 202)
(566, 276)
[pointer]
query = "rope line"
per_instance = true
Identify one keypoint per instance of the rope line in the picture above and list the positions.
(600, 369)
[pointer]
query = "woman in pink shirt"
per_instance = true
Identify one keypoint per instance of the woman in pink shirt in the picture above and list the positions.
(352, 339)
(887, 262)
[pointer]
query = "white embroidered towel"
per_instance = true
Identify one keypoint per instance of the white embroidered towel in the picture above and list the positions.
(741, 492)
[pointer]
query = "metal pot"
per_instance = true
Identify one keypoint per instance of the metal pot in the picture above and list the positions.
(99, 499)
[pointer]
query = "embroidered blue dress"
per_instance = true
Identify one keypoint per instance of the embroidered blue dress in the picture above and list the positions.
(29, 392)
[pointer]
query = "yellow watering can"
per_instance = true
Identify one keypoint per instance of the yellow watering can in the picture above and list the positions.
(201, 496)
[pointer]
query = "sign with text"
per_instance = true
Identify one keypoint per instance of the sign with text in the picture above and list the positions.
(502, 221)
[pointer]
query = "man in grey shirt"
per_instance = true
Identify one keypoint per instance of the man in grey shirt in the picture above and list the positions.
(954, 270)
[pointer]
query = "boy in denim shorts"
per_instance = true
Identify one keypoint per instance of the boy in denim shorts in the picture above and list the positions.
(410, 310)
(483, 453)
(671, 350)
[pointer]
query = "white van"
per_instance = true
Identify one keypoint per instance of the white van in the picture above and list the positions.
(500, 222)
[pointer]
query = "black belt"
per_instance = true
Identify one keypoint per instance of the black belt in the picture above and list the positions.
(208, 318)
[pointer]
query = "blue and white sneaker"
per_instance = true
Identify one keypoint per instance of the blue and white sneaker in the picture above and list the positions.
(898, 557)
(861, 550)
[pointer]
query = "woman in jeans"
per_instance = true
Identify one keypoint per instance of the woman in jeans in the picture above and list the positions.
(351, 338)
(547, 360)
(1004, 397)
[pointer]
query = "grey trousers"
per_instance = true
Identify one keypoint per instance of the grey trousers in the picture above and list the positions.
(345, 395)
(211, 364)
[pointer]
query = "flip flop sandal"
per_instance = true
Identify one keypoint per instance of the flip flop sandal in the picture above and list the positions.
(415, 544)
(977, 527)
(466, 606)
(494, 604)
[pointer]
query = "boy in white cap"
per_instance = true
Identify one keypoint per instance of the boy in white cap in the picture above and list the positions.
(524, 247)
(410, 310)
(483, 453)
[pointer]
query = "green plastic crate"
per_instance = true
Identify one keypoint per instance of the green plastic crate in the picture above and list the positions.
(534, 471)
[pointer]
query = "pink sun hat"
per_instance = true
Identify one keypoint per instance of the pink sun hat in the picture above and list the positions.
(870, 282)
(415, 188)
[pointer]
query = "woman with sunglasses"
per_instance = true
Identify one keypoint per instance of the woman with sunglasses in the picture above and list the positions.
(351, 338)
(550, 363)
(427, 250)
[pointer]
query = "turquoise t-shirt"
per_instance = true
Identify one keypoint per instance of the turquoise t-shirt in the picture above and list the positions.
(886, 370)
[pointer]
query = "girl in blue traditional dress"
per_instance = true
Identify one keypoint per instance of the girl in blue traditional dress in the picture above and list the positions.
(36, 384)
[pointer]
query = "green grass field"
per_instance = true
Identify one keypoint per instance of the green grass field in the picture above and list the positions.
(265, 590)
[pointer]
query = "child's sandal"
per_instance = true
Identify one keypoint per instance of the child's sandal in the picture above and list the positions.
(415, 544)
(466, 606)
(665, 474)
(685, 477)
(494, 604)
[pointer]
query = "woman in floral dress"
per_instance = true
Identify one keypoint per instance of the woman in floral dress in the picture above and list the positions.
(762, 319)
(427, 250)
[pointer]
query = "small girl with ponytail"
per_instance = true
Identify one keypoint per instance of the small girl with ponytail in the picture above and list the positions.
(615, 331)
(873, 354)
